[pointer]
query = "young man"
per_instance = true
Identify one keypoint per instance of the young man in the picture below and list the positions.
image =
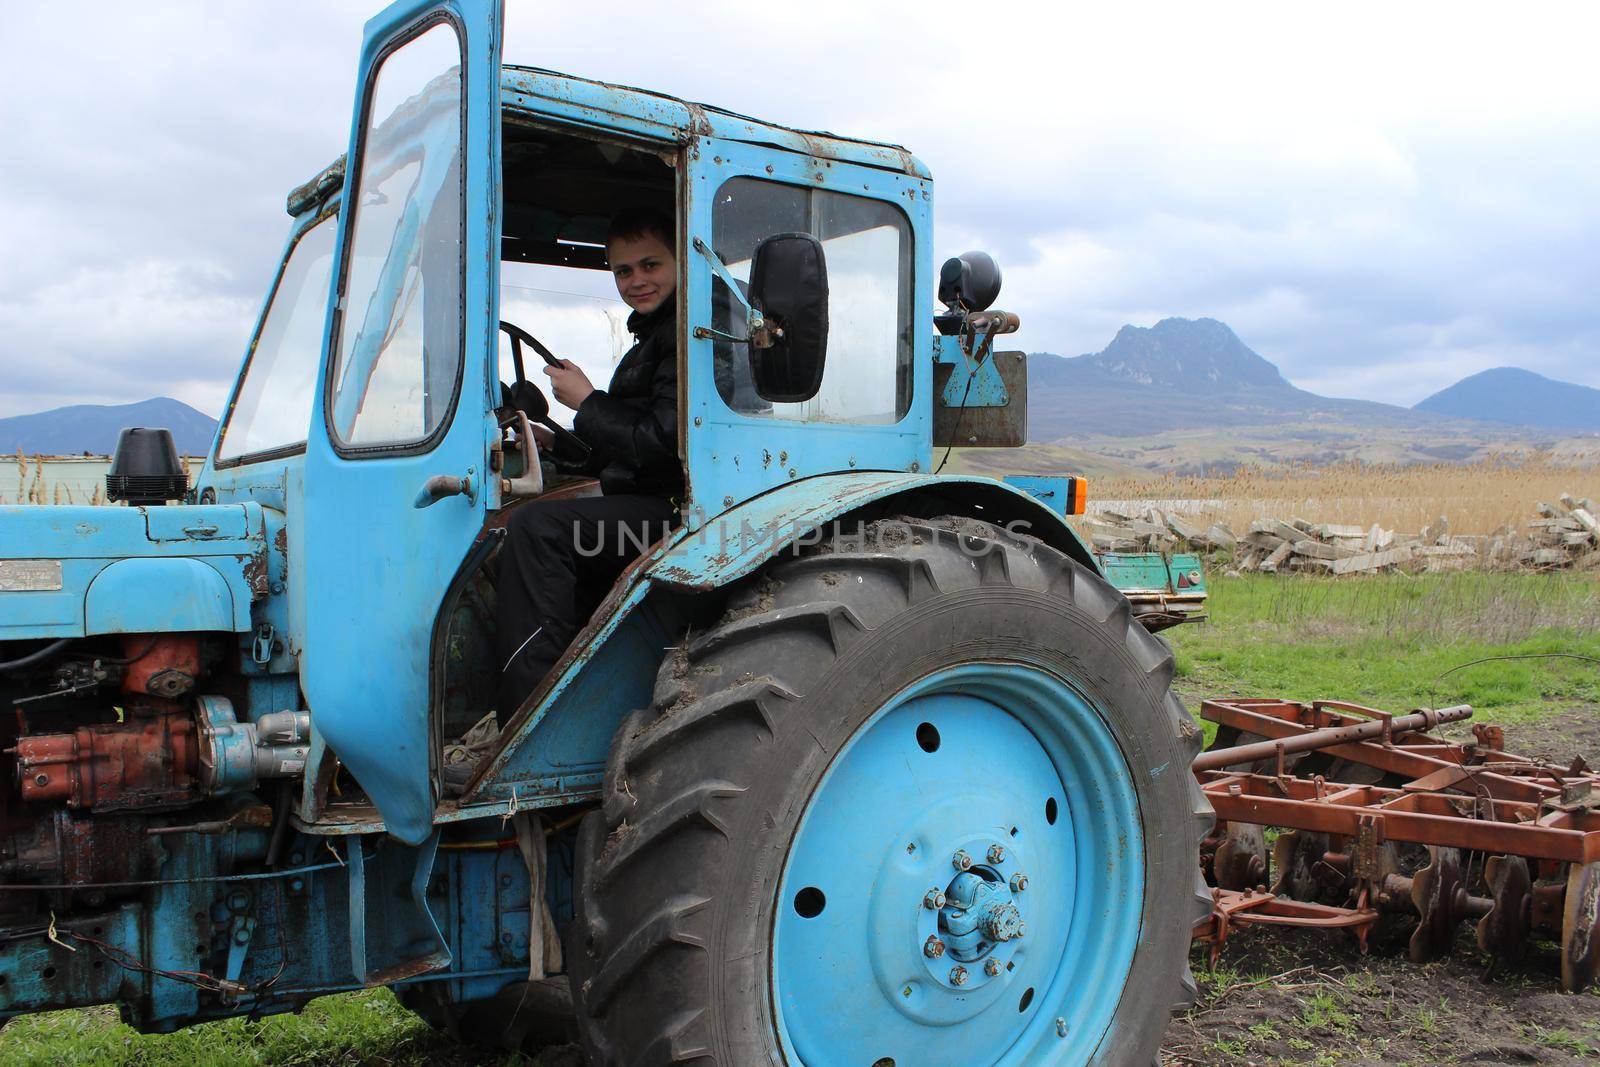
(560, 556)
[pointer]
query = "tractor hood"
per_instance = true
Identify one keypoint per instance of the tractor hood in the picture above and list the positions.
(76, 571)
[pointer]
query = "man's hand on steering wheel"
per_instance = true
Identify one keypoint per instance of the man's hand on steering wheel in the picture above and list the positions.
(569, 384)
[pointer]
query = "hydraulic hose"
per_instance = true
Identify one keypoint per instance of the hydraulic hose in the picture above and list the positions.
(7, 666)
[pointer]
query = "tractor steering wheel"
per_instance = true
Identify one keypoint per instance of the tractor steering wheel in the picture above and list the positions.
(529, 397)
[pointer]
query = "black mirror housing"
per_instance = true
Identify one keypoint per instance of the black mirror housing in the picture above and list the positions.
(789, 286)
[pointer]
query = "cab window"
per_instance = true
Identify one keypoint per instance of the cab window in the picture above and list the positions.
(396, 362)
(867, 379)
(272, 408)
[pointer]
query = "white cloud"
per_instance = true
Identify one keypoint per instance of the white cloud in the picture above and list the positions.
(1380, 198)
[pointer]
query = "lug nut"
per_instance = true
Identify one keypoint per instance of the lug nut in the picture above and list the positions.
(933, 948)
(1019, 882)
(961, 861)
(992, 968)
(1022, 930)
(958, 975)
(1061, 1027)
(933, 899)
(997, 854)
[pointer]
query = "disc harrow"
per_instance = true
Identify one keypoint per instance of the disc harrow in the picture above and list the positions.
(1378, 817)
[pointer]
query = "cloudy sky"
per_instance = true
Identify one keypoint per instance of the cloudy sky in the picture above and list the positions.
(1380, 198)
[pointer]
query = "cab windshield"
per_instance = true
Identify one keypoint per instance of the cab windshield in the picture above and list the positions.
(272, 408)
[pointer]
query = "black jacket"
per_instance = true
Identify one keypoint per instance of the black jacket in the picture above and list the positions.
(633, 425)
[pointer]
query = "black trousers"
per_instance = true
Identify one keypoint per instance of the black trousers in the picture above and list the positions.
(559, 559)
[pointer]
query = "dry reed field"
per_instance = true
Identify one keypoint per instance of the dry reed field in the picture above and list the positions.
(1477, 499)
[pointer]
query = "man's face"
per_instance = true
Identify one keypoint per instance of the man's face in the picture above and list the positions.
(645, 271)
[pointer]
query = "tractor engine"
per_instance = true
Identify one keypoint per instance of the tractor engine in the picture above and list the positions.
(106, 753)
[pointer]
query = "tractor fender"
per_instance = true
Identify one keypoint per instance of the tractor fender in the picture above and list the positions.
(554, 748)
(160, 595)
(715, 551)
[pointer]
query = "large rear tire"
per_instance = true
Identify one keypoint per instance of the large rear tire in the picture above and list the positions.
(763, 883)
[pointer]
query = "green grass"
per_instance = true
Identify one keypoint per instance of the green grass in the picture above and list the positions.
(1387, 641)
(351, 1028)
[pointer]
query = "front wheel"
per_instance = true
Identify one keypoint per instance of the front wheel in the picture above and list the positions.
(920, 797)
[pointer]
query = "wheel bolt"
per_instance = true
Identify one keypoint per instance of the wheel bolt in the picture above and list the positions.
(933, 948)
(997, 854)
(958, 975)
(1022, 930)
(933, 899)
(961, 861)
(992, 968)
(1019, 882)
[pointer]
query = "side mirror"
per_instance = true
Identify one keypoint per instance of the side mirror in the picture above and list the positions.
(789, 286)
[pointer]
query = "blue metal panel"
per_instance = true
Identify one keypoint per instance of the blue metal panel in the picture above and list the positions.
(48, 612)
(217, 522)
(144, 595)
(1050, 490)
(733, 457)
(554, 752)
(377, 568)
(84, 541)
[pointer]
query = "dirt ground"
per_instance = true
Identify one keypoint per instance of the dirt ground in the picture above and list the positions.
(1293, 996)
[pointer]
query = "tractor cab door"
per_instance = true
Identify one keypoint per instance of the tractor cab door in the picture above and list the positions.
(397, 456)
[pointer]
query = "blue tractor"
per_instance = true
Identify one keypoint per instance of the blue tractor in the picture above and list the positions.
(861, 765)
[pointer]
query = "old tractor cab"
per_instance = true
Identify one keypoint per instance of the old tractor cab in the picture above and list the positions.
(861, 762)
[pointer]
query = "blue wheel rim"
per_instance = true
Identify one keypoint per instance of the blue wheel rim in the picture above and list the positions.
(967, 759)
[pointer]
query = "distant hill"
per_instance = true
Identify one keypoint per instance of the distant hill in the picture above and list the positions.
(1519, 397)
(1188, 396)
(1198, 355)
(1180, 374)
(94, 428)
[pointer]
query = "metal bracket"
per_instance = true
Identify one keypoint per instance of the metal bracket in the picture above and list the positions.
(974, 379)
(261, 648)
(392, 937)
(754, 320)
(240, 930)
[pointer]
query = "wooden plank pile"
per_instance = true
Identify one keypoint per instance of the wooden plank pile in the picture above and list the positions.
(1566, 534)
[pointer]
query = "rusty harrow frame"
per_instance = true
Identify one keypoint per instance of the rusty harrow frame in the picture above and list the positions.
(1380, 818)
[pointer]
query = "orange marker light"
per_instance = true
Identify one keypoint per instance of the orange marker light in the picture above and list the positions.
(1077, 496)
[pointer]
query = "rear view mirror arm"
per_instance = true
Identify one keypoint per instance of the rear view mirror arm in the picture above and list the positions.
(761, 334)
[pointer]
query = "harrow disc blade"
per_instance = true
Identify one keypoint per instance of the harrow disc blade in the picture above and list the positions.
(1580, 930)
(1433, 892)
(1294, 858)
(1241, 859)
(1503, 933)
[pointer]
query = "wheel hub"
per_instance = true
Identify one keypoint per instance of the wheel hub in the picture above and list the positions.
(979, 914)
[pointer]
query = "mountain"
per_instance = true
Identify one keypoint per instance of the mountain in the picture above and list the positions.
(94, 428)
(1519, 397)
(1201, 355)
(1179, 374)
(1188, 396)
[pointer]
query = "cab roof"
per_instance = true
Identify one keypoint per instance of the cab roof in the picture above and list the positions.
(658, 115)
(649, 114)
